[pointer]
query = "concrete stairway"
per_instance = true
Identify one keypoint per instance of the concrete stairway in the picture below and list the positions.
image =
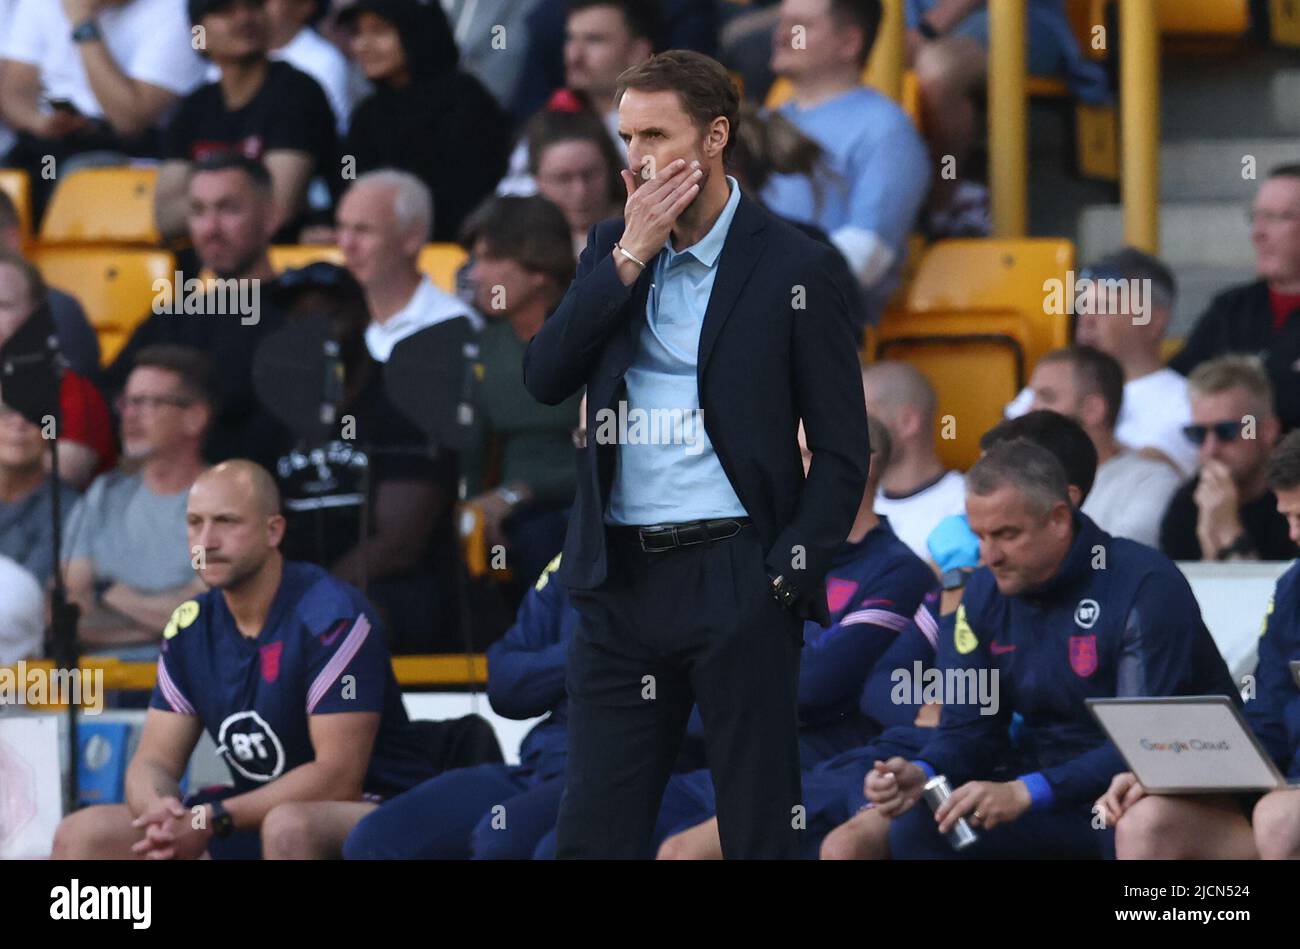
(1214, 113)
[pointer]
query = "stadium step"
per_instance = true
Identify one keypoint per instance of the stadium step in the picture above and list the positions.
(1215, 169)
(1208, 233)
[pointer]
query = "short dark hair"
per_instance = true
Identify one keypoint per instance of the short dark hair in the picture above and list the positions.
(1284, 466)
(530, 231)
(703, 87)
(1024, 464)
(644, 18)
(1063, 437)
(866, 16)
(1289, 170)
(1095, 373)
(8, 212)
(190, 365)
(231, 160)
(1129, 263)
(552, 126)
(37, 291)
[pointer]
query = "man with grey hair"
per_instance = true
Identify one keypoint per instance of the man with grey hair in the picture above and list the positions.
(1123, 304)
(1060, 612)
(382, 223)
(1228, 512)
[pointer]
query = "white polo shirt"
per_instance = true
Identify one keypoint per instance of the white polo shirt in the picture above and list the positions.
(149, 40)
(428, 305)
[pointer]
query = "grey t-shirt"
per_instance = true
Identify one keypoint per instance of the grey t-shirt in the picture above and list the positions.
(1129, 496)
(27, 532)
(130, 534)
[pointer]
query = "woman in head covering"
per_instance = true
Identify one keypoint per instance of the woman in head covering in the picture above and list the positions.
(425, 116)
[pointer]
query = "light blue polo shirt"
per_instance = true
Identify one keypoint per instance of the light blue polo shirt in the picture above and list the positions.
(667, 471)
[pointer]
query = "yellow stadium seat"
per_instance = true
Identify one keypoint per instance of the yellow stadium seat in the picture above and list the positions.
(1204, 17)
(1170, 347)
(440, 262)
(102, 206)
(14, 182)
(293, 256)
(974, 359)
(115, 286)
(1017, 274)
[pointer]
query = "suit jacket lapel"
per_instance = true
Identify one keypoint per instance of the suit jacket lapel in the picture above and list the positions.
(740, 253)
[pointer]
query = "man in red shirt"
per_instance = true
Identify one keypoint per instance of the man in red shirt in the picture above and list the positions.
(85, 436)
(1262, 317)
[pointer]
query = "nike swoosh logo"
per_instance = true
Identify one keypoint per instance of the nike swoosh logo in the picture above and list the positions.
(998, 649)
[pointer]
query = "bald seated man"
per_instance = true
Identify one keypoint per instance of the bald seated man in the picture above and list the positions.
(287, 669)
(916, 492)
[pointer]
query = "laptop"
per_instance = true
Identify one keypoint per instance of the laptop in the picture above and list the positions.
(1197, 744)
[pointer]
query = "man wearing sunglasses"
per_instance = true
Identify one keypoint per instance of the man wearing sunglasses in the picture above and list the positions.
(1228, 512)
(127, 562)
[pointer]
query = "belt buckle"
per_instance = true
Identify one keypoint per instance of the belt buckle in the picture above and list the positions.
(642, 537)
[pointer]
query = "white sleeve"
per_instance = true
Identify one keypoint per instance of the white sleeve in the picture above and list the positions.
(25, 39)
(1020, 404)
(22, 613)
(166, 58)
(868, 257)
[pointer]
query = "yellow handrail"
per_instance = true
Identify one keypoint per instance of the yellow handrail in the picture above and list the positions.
(1008, 121)
(421, 670)
(1140, 122)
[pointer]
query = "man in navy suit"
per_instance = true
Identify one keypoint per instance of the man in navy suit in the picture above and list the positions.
(704, 329)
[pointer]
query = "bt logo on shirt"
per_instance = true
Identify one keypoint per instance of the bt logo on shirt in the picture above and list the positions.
(250, 746)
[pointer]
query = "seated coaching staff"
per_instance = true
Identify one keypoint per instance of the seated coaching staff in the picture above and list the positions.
(697, 549)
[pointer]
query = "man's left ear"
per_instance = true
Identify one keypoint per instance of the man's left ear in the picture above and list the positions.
(275, 527)
(719, 134)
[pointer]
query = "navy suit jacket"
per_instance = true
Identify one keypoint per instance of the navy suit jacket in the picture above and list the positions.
(777, 346)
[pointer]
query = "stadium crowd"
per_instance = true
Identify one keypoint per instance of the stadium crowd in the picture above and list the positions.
(272, 560)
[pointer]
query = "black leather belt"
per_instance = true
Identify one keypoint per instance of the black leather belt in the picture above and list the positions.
(659, 537)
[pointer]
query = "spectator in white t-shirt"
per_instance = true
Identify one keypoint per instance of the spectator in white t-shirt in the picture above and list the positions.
(1129, 326)
(22, 614)
(381, 226)
(295, 41)
(1130, 492)
(92, 75)
(916, 492)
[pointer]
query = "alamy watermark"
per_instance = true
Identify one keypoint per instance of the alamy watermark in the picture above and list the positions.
(921, 686)
(637, 426)
(1099, 296)
(216, 297)
(21, 684)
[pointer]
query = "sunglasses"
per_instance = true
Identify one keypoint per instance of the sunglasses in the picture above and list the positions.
(1228, 431)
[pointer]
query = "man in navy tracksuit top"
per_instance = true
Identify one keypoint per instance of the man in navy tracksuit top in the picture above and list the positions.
(1216, 826)
(493, 810)
(1060, 612)
(287, 669)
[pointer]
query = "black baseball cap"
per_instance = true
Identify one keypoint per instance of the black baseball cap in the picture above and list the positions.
(329, 278)
(201, 8)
